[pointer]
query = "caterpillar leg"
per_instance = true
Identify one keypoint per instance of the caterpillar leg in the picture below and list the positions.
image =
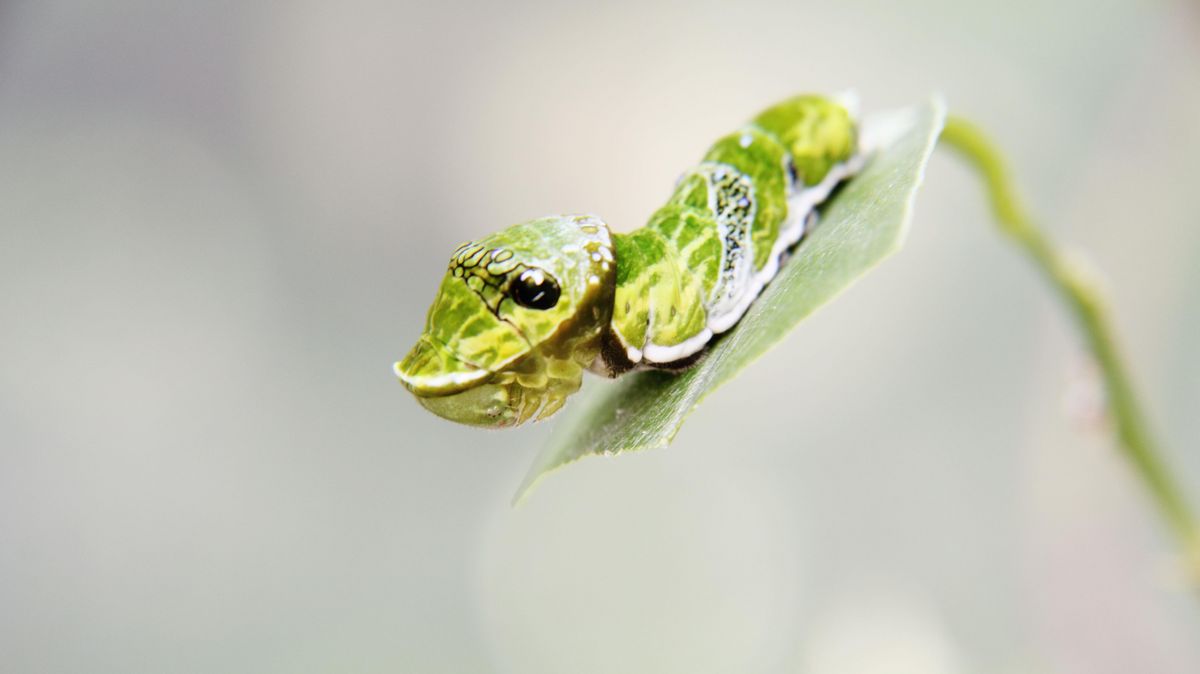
(809, 222)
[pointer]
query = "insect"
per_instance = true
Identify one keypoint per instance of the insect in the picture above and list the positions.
(522, 313)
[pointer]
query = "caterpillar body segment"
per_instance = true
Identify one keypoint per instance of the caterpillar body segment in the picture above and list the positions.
(521, 313)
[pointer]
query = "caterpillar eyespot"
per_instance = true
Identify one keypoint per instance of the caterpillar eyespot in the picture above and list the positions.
(585, 298)
(534, 290)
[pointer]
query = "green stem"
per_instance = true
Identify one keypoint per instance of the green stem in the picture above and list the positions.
(1083, 299)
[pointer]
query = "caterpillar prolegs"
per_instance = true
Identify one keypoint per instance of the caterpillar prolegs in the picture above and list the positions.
(522, 313)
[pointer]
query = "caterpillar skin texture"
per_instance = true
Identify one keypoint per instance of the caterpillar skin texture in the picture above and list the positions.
(522, 313)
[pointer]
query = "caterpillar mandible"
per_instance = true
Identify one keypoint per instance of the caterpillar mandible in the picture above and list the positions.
(522, 313)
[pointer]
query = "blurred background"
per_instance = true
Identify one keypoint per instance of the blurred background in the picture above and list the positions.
(221, 222)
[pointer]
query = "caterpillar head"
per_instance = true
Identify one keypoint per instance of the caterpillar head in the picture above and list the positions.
(516, 320)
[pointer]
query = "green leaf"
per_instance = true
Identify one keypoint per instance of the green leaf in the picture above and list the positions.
(861, 225)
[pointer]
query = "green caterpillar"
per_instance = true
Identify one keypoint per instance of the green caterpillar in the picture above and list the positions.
(522, 313)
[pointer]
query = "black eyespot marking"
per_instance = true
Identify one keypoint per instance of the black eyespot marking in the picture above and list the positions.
(535, 289)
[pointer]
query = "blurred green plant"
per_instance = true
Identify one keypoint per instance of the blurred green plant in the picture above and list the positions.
(863, 224)
(1074, 285)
